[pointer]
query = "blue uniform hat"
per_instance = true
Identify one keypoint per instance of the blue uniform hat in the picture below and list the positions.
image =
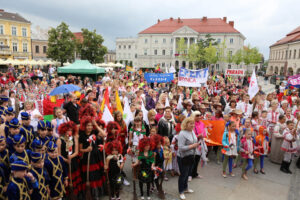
(18, 139)
(37, 144)
(25, 116)
(9, 111)
(4, 98)
(51, 146)
(49, 125)
(41, 125)
(2, 138)
(19, 165)
(36, 157)
(14, 123)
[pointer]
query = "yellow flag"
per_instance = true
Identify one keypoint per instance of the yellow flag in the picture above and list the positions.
(129, 69)
(118, 102)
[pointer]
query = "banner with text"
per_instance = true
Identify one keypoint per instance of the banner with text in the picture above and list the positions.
(235, 72)
(294, 80)
(158, 78)
(192, 78)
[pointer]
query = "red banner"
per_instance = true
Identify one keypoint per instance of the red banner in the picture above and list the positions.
(215, 132)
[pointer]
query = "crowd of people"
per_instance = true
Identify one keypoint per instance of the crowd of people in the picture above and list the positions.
(79, 155)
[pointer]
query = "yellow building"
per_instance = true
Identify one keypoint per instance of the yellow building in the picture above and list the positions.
(15, 36)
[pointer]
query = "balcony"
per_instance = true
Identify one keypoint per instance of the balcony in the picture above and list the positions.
(4, 50)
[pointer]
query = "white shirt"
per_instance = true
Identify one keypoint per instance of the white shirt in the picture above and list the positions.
(246, 108)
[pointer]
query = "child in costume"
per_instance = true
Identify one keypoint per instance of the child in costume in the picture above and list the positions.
(114, 164)
(262, 148)
(230, 143)
(289, 146)
(263, 120)
(136, 133)
(3, 182)
(42, 133)
(50, 132)
(20, 153)
(247, 152)
(21, 183)
(37, 146)
(57, 170)
(4, 157)
(146, 161)
(113, 129)
(9, 115)
(168, 156)
(42, 177)
(13, 130)
(26, 129)
(68, 148)
(174, 147)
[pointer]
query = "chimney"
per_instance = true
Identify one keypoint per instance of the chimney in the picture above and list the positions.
(158, 21)
(171, 18)
(231, 23)
(225, 19)
(178, 19)
(1, 10)
(204, 19)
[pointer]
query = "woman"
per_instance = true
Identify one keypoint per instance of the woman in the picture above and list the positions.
(151, 118)
(188, 109)
(59, 119)
(34, 113)
(230, 108)
(15, 103)
(160, 112)
(187, 147)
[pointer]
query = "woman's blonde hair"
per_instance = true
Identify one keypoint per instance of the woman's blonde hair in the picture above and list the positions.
(151, 112)
(186, 121)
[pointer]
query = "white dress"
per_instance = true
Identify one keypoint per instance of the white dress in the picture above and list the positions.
(233, 149)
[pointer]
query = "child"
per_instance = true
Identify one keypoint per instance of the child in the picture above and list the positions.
(156, 145)
(3, 182)
(136, 133)
(13, 130)
(168, 156)
(50, 133)
(114, 164)
(174, 147)
(247, 150)
(57, 170)
(37, 146)
(255, 123)
(231, 143)
(9, 115)
(262, 145)
(146, 161)
(153, 131)
(4, 156)
(20, 152)
(41, 175)
(42, 133)
(21, 183)
(263, 121)
(26, 129)
(289, 146)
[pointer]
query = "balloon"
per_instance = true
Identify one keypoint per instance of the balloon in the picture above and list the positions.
(78, 94)
(53, 99)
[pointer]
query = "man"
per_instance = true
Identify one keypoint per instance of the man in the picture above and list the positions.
(166, 124)
(150, 102)
(245, 106)
(224, 98)
(72, 109)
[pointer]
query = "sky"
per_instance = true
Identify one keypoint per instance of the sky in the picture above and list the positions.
(262, 22)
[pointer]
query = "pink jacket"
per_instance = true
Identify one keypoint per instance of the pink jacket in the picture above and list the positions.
(200, 129)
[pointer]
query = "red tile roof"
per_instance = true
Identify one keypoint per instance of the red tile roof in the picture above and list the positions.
(78, 36)
(293, 36)
(203, 25)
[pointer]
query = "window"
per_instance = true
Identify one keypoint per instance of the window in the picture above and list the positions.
(44, 49)
(129, 46)
(172, 40)
(231, 40)
(15, 47)
(171, 52)
(290, 54)
(37, 49)
(145, 52)
(217, 66)
(163, 52)
(124, 55)
(219, 41)
(164, 40)
(286, 54)
(120, 47)
(282, 53)
(135, 55)
(24, 47)
(230, 54)
(24, 32)
(155, 51)
(295, 52)
(124, 46)
(129, 55)
(156, 41)
(146, 41)
(1, 30)
(14, 31)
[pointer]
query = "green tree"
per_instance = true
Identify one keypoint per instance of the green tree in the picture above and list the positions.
(61, 45)
(221, 54)
(181, 48)
(238, 57)
(211, 54)
(91, 47)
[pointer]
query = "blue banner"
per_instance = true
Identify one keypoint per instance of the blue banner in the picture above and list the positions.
(158, 78)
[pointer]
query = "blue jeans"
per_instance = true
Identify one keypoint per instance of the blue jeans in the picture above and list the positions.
(185, 170)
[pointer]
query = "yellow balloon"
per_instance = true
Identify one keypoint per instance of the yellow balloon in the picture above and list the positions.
(53, 99)
(78, 94)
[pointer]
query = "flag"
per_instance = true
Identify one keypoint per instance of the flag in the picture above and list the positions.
(129, 69)
(107, 117)
(127, 114)
(215, 132)
(167, 103)
(145, 113)
(105, 101)
(253, 86)
(179, 104)
(118, 102)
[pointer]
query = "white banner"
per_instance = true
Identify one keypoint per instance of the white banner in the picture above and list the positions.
(253, 86)
(192, 78)
(235, 72)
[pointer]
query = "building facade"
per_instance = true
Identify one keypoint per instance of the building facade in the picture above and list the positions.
(284, 58)
(110, 56)
(158, 43)
(39, 49)
(15, 36)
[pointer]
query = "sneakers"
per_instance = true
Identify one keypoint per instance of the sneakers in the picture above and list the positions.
(182, 196)
(125, 182)
(224, 175)
(199, 177)
(189, 191)
(142, 198)
(190, 179)
(148, 198)
(166, 178)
